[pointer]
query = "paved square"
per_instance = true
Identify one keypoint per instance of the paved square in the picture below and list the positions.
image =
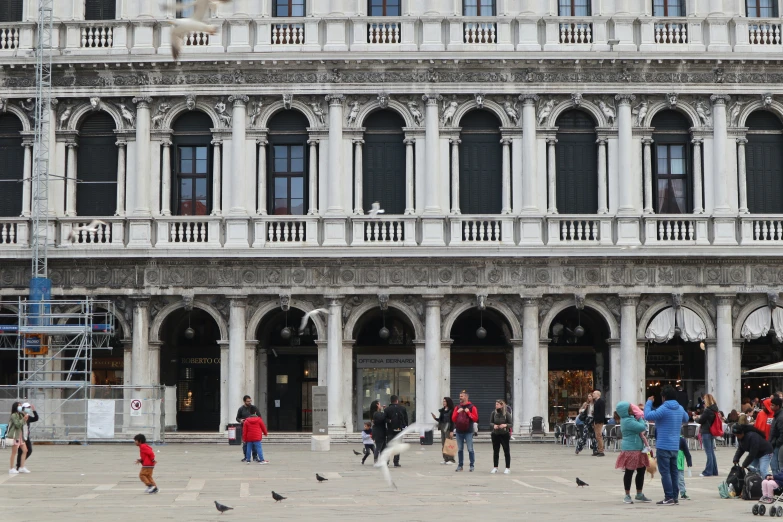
(100, 482)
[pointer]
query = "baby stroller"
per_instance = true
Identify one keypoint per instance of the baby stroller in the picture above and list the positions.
(774, 511)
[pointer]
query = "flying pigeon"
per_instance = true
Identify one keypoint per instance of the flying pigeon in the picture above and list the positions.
(396, 446)
(195, 24)
(277, 497)
(581, 483)
(91, 229)
(320, 478)
(308, 315)
(375, 210)
(356, 452)
(220, 507)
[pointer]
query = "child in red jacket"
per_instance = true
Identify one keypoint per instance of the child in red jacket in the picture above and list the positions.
(253, 430)
(147, 462)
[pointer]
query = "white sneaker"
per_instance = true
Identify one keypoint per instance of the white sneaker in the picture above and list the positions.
(507, 471)
(494, 470)
(24, 470)
(13, 471)
(149, 488)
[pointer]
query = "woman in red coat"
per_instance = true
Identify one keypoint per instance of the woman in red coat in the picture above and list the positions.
(253, 430)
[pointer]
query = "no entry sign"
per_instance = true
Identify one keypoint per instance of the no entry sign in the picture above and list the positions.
(135, 408)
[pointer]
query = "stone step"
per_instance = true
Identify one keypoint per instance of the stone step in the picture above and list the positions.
(305, 438)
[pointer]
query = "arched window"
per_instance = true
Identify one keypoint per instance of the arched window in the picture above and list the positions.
(11, 11)
(100, 9)
(764, 163)
(383, 166)
(480, 164)
(383, 7)
(191, 162)
(668, 7)
(478, 8)
(12, 162)
(577, 164)
(96, 167)
(287, 166)
(672, 192)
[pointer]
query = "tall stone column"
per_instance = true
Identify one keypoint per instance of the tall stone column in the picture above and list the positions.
(455, 175)
(421, 378)
(27, 186)
(312, 193)
(648, 185)
(140, 175)
(432, 347)
(225, 406)
(127, 376)
(543, 379)
(552, 175)
(346, 394)
(526, 381)
(625, 159)
(70, 190)
(217, 164)
(165, 178)
(334, 205)
(236, 184)
(602, 176)
(261, 175)
(334, 349)
(323, 362)
(432, 153)
(628, 377)
(409, 176)
(140, 358)
(614, 372)
(727, 382)
(719, 144)
(742, 174)
(358, 173)
(506, 172)
(529, 157)
(698, 201)
(236, 349)
(249, 387)
(121, 145)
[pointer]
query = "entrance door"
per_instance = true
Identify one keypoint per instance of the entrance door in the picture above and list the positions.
(198, 395)
(291, 378)
(485, 385)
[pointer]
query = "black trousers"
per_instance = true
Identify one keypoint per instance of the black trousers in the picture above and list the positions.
(29, 445)
(389, 437)
(380, 445)
(498, 440)
(639, 479)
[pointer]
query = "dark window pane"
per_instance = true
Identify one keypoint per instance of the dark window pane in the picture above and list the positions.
(470, 8)
(186, 208)
(297, 187)
(281, 187)
(297, 151)
(297, 165)
(201, 153)
(186, 166)
(297, 207)
(201, 207)
(186, 152)
(281, 165)
(201, 166)
(201, 188)
(186, 188)
(281, 207)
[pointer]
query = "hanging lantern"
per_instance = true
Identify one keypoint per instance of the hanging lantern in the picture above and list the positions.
(481, 333)
(579, 331)
(383, 333)
(285, 333)
(190, 333)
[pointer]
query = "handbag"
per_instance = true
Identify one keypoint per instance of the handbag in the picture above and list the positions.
(716, 428)
(450, 448)
(652, 466)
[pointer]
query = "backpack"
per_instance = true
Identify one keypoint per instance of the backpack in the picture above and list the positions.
(716, 428)
(463, 423)
(395, 419)
(752, 489)
(736, 478)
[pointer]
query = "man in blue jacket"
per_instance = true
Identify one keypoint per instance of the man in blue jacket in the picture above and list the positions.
(668, 419)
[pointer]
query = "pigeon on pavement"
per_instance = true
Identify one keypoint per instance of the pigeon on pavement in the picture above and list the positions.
(320, 478)
(356, 452)
(277, 497)
(220, 507)
(581, 483)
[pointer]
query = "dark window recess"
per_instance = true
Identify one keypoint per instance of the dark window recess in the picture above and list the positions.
(574, 7)
(11, 10)
(672, 193)
(191, 165)
(764, 163)
(576, 164)
(287, 8)
(96, 167)
(383, 166)
(480, 164)
(383, 7)
(478, 8)
(762, 8)
(287, 167)
(100, 9)
(12, 160)
(668, 7)
(187, 9)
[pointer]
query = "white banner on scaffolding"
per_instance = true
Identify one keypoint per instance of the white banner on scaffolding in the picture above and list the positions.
(100, 419)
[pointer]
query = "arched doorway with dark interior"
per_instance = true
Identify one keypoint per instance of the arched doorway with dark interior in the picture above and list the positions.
(190, 360)
(291, 369)
(762, 344)
(481, 360)
(384, 362)
(578, 361)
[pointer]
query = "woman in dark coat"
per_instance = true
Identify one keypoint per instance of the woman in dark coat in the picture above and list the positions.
(378, 428)
(445, 424)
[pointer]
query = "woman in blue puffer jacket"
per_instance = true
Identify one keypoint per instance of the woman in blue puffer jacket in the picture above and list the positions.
(631, 457)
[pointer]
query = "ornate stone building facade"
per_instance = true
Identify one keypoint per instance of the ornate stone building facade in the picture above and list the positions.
(576, 194)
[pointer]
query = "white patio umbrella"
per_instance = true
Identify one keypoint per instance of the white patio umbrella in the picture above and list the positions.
(770, 368)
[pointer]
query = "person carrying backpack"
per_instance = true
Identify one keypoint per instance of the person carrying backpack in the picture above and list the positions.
(754, 442)
(464, 416)
(396, 421)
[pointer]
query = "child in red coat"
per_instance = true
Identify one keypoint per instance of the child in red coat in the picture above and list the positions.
(253, 430)
(147, 462)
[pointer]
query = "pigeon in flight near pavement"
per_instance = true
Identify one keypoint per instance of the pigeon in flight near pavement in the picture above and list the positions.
(356, 452)
(396, 446)
(220, 507)
(308, 315)
(277, 497)
(375, 210)
(320, 478)
(581, 483)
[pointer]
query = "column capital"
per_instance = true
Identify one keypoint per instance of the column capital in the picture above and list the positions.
(28, 142)
(455, 141)
(263, 142)
(166, 142)
(140, 301)
(624, 98)
(528, 99)
(409, 141)
(725, 299)
(629, 300)
(71, 144)
(431, 99)
(335, 100)
(121, 142)
(647, 140)
(505, 141)
(742, 141)
(431, 301)
(551, 141)
(530, 301)
(335, 300)
(142, 102)
(601, 141)
(239, 100)
(720, 99)
(237, 300)
(697, 141)
(358, 141)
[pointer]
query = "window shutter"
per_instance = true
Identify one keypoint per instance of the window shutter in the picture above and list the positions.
(480, 170)
(11, 10)
(764, 167)
(577, 173)
(100, 9)
(96, 159)
(12, 161)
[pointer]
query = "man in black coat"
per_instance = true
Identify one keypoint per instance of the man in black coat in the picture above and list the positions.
(599, 419)
(242, 414)
(776, 433)
(396, 421)
(32, 416)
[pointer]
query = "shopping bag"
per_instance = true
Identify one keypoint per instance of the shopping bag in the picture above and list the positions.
(450, 447)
